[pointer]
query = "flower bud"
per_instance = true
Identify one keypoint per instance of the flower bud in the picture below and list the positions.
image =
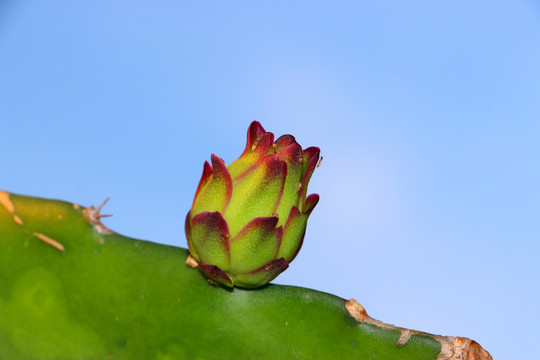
(248, 219)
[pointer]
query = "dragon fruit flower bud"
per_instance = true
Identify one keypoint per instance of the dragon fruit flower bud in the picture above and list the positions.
(248, 219)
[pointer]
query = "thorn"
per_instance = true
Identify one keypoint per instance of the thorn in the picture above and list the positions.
(320, 161)
(49, 241)
(404, 337)
(17, 219)
(92, 215)
(4, 200)
(98, 209)
(191, 261)
(357, 311)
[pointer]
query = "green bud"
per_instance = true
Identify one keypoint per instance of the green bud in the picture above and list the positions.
(248, 219)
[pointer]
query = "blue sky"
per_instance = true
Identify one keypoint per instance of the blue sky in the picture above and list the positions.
(427, 115)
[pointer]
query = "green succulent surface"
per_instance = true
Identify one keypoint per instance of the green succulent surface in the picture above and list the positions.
(72, 289)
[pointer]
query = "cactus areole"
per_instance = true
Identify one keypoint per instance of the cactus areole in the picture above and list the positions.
(248, 219)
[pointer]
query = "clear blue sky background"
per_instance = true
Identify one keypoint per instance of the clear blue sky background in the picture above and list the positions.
(427, 114)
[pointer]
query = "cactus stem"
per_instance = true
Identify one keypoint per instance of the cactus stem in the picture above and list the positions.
(49, 241)
(149, 302)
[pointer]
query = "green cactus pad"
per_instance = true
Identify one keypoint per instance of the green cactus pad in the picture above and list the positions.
(72, 289)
